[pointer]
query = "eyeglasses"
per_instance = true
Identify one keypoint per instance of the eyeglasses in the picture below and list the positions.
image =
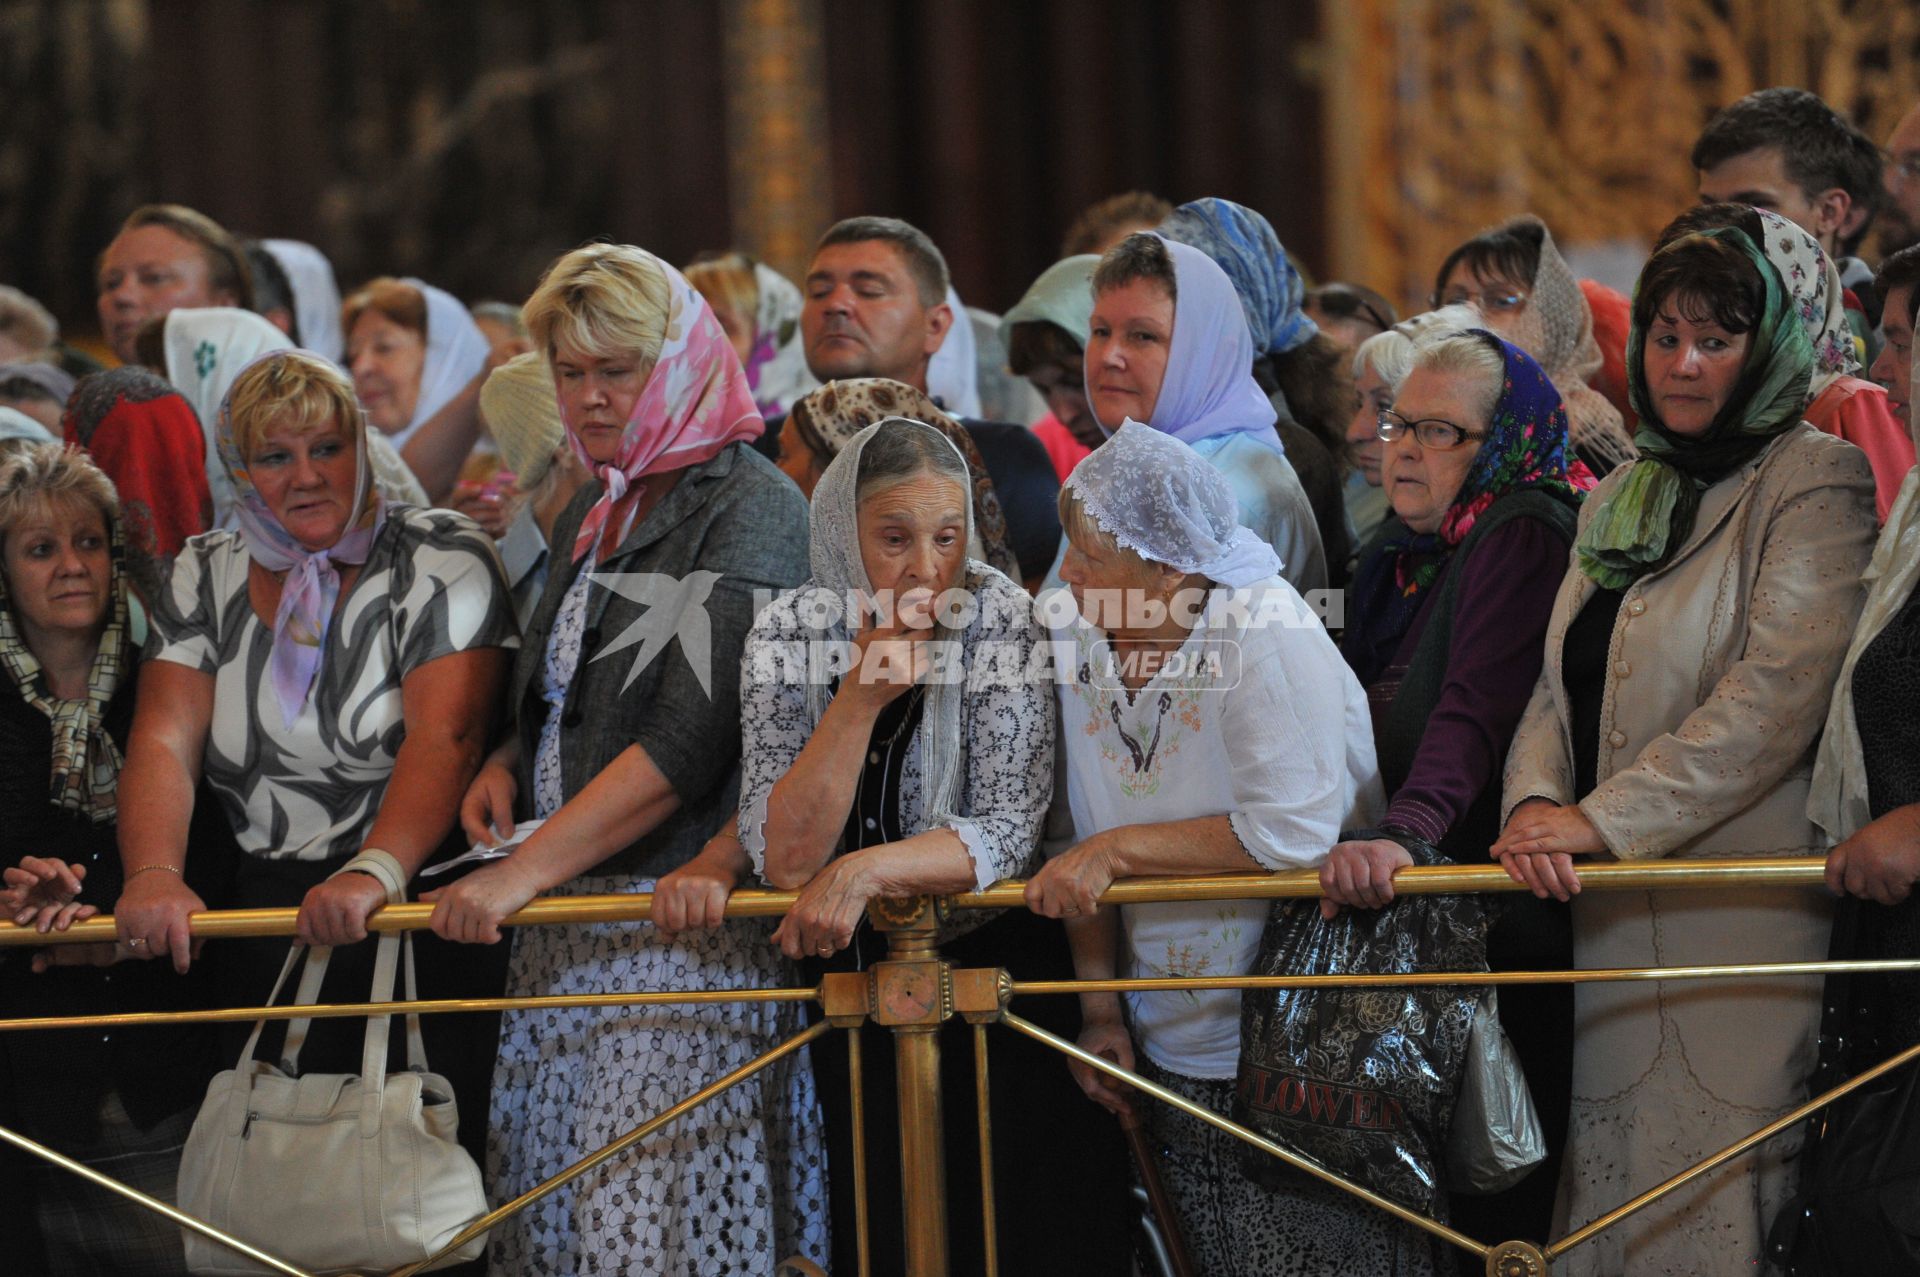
(1493, 301)
(1428, 432)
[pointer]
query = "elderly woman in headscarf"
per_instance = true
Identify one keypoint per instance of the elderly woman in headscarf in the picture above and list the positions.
(1380, 364)
(1169, 347)
(1445, 630)
(1045, 336)
(1299, 367)
(626, 749)
(1838, 402)
(201, 351)
(824, 421)
(143, 434)
(1525, 291)
(1689, 661)
(417, 360)
(120, 1102)
(759, 310)
(1208, 724)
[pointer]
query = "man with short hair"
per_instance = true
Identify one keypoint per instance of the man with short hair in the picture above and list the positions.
(1899, 221)
(1785, 150)
(167, 257)
(1899, 287)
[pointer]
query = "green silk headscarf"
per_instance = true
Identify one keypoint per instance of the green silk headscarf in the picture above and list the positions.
(1649, 515)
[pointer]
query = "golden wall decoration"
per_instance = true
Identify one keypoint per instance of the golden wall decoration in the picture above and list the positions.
(1446, 116)
(777, 141)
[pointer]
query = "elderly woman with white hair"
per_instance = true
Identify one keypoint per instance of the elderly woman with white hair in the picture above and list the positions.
(1209, 724)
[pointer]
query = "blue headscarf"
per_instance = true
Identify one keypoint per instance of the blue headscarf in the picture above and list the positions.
(1243, 244)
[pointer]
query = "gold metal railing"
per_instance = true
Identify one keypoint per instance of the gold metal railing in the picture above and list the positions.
(914, 991)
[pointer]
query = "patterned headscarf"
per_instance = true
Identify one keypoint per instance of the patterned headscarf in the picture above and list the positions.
(142, 432)
(832, 416)
(1818, 298)
(1644, 520)
(85, 776)
(695, 404)
(777, 364)
(1526, 448)
(312, 585)
(1243, 244)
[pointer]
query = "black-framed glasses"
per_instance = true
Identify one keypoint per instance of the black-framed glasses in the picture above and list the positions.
(1491, 301)
(1429, 432)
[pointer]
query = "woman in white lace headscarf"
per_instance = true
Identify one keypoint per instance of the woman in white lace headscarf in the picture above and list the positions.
(418, 360)
(1207, 724)
(1525, 291)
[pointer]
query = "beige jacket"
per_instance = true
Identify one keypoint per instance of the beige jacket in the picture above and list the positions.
(1721, 664)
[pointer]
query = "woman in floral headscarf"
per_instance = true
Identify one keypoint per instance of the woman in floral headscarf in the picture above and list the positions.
(1838, 401)
(1445, 632)
(627, 746)
(1689, 661)
(759, 309)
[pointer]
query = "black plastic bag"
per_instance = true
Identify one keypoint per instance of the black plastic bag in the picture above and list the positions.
(1363, 1081)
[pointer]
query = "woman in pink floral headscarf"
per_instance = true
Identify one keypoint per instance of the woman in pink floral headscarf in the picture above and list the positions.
(627, 748)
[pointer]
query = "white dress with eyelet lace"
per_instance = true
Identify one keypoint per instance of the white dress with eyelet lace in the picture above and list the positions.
(731, 1188)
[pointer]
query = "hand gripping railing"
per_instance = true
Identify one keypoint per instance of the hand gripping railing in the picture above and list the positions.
(914, 991)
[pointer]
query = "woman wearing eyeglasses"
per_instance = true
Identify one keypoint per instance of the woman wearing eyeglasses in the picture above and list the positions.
(1527, 294)
(1445, 630)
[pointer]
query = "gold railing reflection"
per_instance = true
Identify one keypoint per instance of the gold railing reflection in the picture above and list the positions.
(914, 991)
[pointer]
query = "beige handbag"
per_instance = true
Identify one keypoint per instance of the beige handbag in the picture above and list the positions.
(333, 1173)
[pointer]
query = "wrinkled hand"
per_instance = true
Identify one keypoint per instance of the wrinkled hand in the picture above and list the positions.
(692, 897)
(42, 892)
(470, 911)
(336, 911)
(488, 805)
(1539, 844)
(1360, 875)
(890, 659)
(1879, 863)
(822, 921)
(151, 918)
(1069, 885)
(1110, 1039)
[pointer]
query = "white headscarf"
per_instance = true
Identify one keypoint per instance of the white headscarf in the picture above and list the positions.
(457, 352)
(953, 376)
(206, 349)
(316, 296)
(839, 571)
(1159, 498)
(15, 424)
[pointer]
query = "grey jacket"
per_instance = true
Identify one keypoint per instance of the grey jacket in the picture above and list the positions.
(735, 517)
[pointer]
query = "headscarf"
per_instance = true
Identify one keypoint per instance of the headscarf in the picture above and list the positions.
(1646, 519)
(316, 296)
(831, 417)
(523, 416)
(1526, 448)
(953, 374)
(206, 348)
(1156, 496)
(57, 382)
(696, 402)
(1813, 284)
(777, 364)
(1838, 800)
(457, 352)
(85, 775)
(312, 584)
(142, 433)
(1209, 388)
(1062, 296)
(839, 572)
(1243, 244)
(15, 424)
(1556, 328)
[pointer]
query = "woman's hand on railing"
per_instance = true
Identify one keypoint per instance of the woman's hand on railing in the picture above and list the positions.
(486, 813)
(1360, 875)
(1879, 863)
(1111, 1039)
(336, 911)
(821, 921)
(470, 911)
(1539, 844)
(694, 896)
(43, 893)
(1069, 885)
(151, 917)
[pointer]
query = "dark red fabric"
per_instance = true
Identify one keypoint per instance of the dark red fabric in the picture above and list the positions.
(147, 439)
(1612, 316)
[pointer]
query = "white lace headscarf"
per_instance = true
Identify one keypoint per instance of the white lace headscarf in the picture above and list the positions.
(840, 572)
(1159, 498)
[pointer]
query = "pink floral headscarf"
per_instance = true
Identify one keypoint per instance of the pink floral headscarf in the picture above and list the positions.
(695, 403)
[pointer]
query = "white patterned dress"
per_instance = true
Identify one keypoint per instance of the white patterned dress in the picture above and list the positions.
(734, 1186)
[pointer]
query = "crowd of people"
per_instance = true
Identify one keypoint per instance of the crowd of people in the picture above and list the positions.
(684, 579)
